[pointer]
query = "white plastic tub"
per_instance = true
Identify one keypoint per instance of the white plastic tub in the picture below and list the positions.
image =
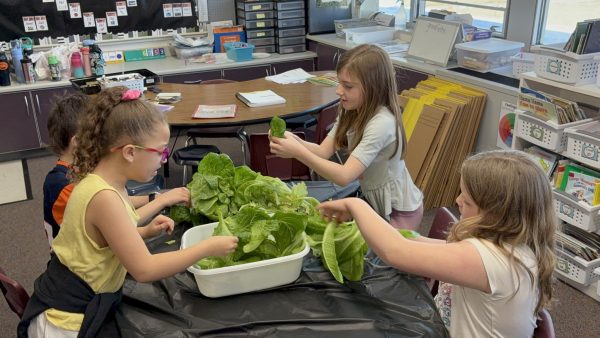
(369, 34)
(488, 54)
(233, 280)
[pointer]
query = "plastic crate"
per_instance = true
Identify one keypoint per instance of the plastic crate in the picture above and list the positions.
(576, 268)
(583, 145)
(242, 278)
(522, 63)
(542, 133)
(131, 81)
(597, 58)
(566, 67)
(239, 51)
(576, 213)
(487, 54)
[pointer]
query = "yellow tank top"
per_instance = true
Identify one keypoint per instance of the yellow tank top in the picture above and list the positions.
(97, 266)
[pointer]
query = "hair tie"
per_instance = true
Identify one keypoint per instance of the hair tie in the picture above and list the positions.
(130, 95)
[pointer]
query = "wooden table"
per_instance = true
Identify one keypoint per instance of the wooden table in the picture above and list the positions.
(302, 98)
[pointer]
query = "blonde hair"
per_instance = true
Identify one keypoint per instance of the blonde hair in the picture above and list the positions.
(373, 68)
(515, 201)
(109, 122)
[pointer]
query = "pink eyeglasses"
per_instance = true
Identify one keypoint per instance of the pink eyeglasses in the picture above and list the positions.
(164, 154)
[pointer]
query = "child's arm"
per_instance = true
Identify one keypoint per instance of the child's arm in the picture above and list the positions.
(457, 263)
(171, 197)
(340, 174)
(108, 224)
(139, 201)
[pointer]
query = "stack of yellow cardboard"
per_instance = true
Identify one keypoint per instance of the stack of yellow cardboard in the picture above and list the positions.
(441, 119)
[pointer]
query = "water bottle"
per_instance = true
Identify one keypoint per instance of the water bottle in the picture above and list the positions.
(96, 60)
(400, 18)
(4, 71)
(17, 56)
(54, 68)
(28, 70)
(76, 66)
(85, 56)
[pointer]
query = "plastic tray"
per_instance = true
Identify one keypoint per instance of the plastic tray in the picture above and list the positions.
(522, 63)
(488, 54)
(232, 280)
(576, 268)
(583, 146)
(575, 213)
(566, 67)
(90, 85)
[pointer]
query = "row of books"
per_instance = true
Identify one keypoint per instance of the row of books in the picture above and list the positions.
(549, 107)
(578, 242)
(586, 38)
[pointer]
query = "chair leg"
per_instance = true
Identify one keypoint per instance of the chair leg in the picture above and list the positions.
(244, 139)
(184, 175)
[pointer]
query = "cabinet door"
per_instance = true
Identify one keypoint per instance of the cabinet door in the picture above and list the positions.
(43, 102)
(247, 73)
(327, 56)
(192, 77)
(407, 78)
(18, 129)
(278, 68)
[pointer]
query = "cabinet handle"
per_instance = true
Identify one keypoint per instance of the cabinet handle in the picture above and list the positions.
(274, 70)
(37, 99)
(192, 81)
(26, 104)
(267, 71)
(335, 57)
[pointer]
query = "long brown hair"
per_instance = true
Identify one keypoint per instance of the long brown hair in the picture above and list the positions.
(373, 68)
(110, 122)
(515, 201)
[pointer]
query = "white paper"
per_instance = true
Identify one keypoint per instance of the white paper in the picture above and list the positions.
(101, 27)
(29, 23)
(121, 8)
(177, 11)
(132, 3)
(47, 0)
(186, 8)
(88, 19)
(297, 75)
(203, 10)
(168, 10)
(41, 23)
(75, 10)
(111, 19)
(62, 5)
(12, 182)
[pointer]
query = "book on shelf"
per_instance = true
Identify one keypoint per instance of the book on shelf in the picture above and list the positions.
(214, 111)
(545, 159)
(260, 98)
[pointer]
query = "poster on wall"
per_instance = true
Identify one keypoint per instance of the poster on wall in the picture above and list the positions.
(506, 125)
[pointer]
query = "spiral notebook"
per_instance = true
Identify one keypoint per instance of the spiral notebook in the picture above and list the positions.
(215, 111)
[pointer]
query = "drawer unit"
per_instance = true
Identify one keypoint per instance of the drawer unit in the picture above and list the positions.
(291, 26)
(256, 24)
(255, 6)
(265, 49)
(289, 5)
(262, 41)
(259, 15)
(287, 32)
(293, 40)
(292, 49)
(288, 23)
(298, 13)
(260, 33)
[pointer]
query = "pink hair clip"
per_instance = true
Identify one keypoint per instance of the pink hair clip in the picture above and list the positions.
(131, 94)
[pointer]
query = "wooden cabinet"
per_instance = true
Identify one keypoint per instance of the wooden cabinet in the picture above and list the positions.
(327, 56)
(278, 68)
(43, 101)
(247, 73)
(19, 129)
(196, 77)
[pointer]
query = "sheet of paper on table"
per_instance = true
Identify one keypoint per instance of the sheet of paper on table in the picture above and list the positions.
(297, 75)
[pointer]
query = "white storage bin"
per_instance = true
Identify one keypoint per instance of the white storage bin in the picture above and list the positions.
(522, 63)
(129, 80)
(574, 212)
(576, 268)
(542, 133)
(583, 144)
(182, 52)
(369, 34)
(597, 273)
(566, 67)
(488, 54)
(232, 280)
(597, 58)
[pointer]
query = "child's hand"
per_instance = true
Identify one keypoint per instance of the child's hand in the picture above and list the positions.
(220, 245)
(335, 210)
(288, 146)
(175, 196)
(157, 225)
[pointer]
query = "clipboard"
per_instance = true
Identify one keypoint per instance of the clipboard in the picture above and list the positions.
(433, 40)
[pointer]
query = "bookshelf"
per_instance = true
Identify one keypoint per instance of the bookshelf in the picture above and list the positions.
(582, 277)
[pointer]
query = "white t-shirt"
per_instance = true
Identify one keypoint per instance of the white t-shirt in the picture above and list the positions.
(386, 183)
(503, 312)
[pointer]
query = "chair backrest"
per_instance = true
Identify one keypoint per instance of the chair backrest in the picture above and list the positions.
(439, 230)
(325, 121)
(16, 296)
(441, 222)
(545, 326)
(264, 162)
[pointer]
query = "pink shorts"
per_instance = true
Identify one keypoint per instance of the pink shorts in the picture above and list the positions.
(407, 219)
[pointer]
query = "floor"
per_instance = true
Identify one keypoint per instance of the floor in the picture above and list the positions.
(24, 250)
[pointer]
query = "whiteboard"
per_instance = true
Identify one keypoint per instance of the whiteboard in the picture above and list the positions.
(433, 40)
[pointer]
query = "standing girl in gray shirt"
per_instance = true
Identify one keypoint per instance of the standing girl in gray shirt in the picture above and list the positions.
(369, 126)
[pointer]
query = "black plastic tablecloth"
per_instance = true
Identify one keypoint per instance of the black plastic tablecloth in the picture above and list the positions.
(386, 303)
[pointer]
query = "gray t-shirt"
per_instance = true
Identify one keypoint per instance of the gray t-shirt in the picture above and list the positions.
(386, 183)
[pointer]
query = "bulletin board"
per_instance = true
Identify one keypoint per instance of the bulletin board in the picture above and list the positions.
(20, 18)
(433, 40)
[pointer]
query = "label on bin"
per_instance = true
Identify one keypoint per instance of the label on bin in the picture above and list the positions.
(260, 34)
(260, 16)
(260, 24)
(255, 7)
